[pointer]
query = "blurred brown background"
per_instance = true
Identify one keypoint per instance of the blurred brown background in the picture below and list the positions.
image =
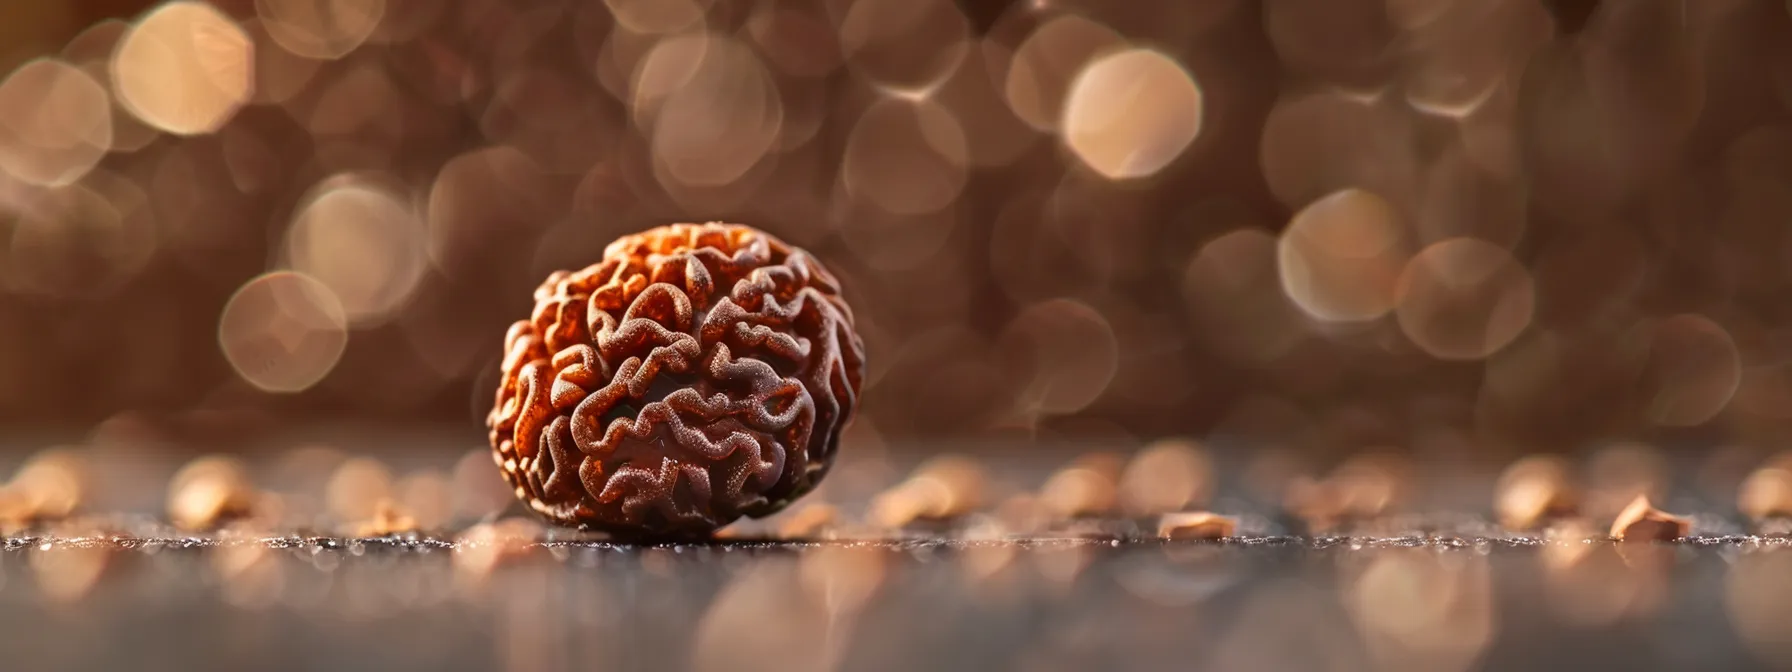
(1330, 224)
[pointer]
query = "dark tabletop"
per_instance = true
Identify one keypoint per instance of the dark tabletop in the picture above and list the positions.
(1430, 585)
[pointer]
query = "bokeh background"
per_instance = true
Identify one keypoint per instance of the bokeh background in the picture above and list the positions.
(1124, 236)
(1482, 225)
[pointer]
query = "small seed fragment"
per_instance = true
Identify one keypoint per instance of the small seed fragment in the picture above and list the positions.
(1196, 525)
(1535, 490)
(1641, 521)
(209, 491)
(1085, 487)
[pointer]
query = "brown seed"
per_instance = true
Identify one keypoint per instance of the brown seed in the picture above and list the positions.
(209, 490)
(387, 520)
(1534, 490)
(1641, 521)
(1766, 493)
(1085, 487)
(947, 486)
(52, 484)
(695, 374)
(1166, 476)
(1196, 525)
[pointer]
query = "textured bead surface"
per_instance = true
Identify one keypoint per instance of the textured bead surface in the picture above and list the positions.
(696, 374)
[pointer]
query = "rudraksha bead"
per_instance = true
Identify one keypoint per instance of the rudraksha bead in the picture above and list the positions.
(696, 374)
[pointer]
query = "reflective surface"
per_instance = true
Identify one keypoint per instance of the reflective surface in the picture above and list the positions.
(1001, 575)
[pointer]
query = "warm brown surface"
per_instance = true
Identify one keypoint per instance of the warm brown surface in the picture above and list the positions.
(821, 587)
(696, 374)
(423, 561)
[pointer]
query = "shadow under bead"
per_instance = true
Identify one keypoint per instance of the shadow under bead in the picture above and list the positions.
(696, 374)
